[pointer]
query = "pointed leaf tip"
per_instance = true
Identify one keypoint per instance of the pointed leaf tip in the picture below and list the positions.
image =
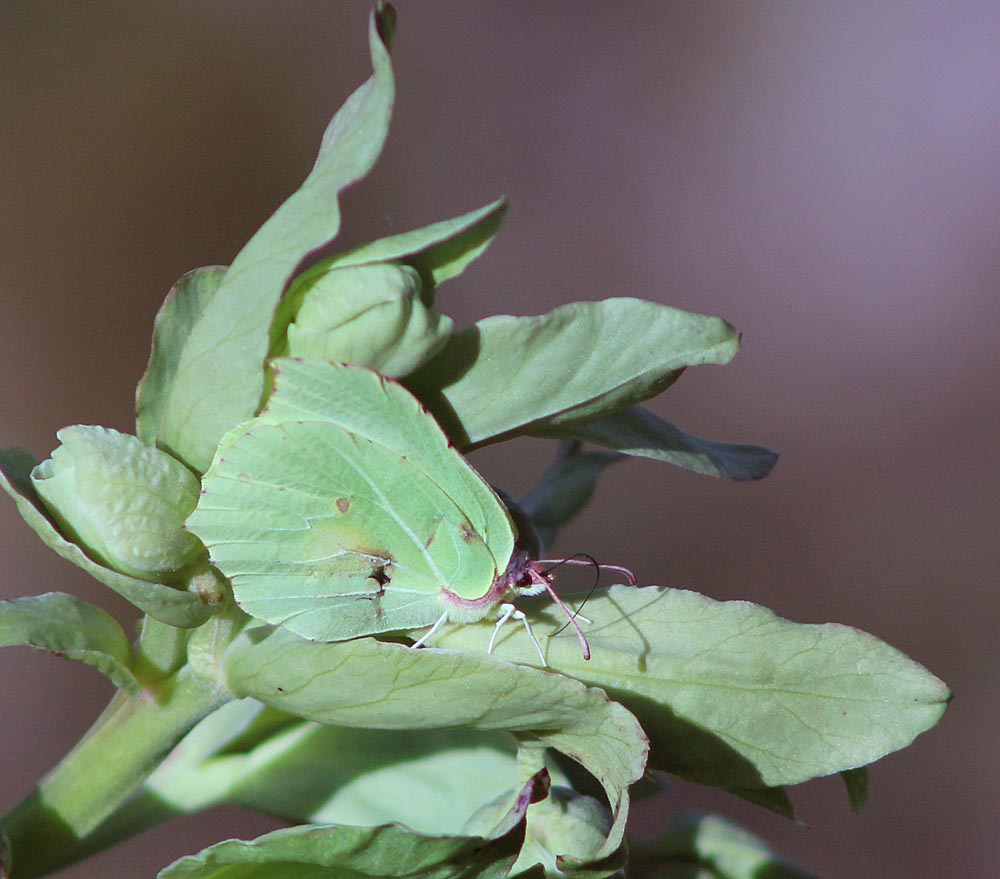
(385, 22)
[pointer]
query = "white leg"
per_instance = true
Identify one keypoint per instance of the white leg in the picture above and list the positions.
(507, 612)
(527, 627)
(430, 632)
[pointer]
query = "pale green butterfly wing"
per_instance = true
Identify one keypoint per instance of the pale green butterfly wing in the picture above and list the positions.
(364, 403)
(343, 511)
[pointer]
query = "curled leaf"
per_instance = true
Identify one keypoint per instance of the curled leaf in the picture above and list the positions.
(164, 603)
(438, 252)
(218, 380)
(370, 315)
(122, 501)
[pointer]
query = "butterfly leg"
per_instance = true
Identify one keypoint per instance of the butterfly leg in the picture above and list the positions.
(430, 632)
(507, 612)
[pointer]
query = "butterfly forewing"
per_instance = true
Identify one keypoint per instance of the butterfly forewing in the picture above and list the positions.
(334, 526)
(367, 405)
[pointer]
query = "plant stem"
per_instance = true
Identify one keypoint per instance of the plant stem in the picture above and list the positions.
(108, 765)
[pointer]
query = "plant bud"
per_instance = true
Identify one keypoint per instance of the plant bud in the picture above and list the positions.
(370, 315)
(121, 501)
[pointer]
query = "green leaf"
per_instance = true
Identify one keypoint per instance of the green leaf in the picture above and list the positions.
(122, 501)
(709, 846)
(305, 771)
(371, 684)
(219, 379)
(732, 695)
(569, 822)
(637, 431)
(263, 759)
(438, 252)
(317, 852)
(172, 328)
(72, 628)
(370, 315)
(564, 488)
(168, 605)
(506, 376)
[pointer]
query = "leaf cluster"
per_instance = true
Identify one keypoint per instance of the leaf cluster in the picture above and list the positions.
(448, 760)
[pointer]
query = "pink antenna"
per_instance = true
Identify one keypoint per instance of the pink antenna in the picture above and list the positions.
(541, 580)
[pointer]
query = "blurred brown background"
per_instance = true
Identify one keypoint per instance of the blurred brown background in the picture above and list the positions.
(822, 175)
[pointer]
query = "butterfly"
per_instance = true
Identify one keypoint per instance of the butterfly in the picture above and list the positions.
(342, 510)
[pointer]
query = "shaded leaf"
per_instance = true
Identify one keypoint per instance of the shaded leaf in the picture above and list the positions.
(637, 431)
(168, 605)
(774, 799)
(712, 847)
(263, 759)
(360, 852)
(564, 489)
(372, 684)
(856, 783)
(72, 628)
(306, 771)
(506, 376)
(219, 379)
(172, 328)
(731, 694)
(569, 822)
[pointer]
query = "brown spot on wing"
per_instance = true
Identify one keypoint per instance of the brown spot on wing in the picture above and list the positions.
(380, 575)
(343, 504)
